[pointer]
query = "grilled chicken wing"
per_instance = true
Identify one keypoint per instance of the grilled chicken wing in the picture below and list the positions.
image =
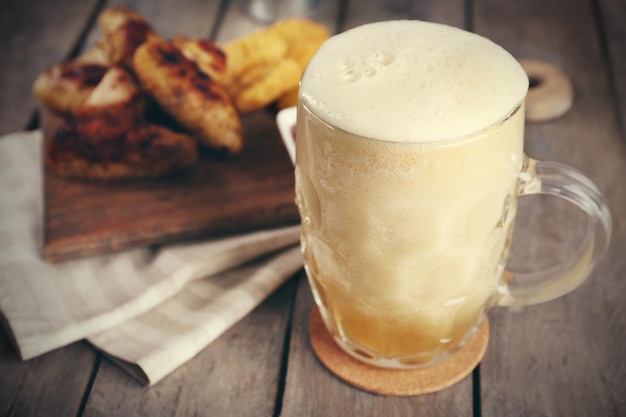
(66, 86)
(116, 87)
(194, 99)
(107, 137)
(122, 31)
(209, 58)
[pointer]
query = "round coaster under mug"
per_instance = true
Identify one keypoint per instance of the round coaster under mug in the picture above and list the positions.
(399, 382)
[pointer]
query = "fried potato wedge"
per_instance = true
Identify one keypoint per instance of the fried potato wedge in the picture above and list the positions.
(305, 50)
(284, 77)
(289, 99)
(302, 55)
(260, 47)
(199, 103)
(297, 30)
(253, 75)
(262, 67)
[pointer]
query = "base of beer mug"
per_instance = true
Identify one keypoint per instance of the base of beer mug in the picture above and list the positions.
(400, 382)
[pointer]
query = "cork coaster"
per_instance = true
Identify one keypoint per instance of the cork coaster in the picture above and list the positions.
(397, 382)
(550, 94)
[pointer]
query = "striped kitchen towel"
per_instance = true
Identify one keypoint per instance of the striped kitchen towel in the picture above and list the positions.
(149, 310)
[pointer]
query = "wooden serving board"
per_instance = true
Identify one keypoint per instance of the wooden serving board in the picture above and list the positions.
(216, 197)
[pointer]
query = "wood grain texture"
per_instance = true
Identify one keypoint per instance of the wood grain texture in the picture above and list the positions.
(52, 384)
(237, 375)
(33, 35)
(612, 22)
(193, 18)
(450, 12)
(562, 358)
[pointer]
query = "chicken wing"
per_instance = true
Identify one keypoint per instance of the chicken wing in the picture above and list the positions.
(66, 86)
(122, 31)
(98, 148)
(117, 87)
(195, 100)
(209, 58)
(108, 137)
(280, 79)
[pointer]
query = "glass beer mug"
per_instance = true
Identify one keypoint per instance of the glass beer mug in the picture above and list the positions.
(409, 165)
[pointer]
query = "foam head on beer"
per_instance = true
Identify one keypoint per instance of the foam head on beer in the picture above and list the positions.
(434, 81)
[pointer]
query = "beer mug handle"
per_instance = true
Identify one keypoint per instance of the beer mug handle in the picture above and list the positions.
(538, 177)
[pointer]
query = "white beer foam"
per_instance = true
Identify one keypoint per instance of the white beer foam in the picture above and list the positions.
(412, 81)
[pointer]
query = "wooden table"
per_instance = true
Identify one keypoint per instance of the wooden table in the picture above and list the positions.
(563, 358)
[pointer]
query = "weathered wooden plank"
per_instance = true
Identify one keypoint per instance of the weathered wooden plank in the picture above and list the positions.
(236, 22)
(450, 12)
(237, 375)
(52, 384)
(310, 389)
(561, 358)
(192, 18)
(612, 15)
(34, 35)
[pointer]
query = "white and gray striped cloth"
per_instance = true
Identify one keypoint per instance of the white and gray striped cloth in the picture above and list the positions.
(150, 312)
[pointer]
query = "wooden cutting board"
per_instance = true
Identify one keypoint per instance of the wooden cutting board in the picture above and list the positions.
(216, 197)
